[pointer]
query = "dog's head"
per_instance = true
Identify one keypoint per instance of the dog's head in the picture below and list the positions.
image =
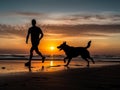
(62, 46)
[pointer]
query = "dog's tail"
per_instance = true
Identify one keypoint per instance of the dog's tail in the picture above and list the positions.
(88, 45)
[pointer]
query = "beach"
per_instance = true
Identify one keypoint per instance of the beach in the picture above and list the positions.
(106, 77)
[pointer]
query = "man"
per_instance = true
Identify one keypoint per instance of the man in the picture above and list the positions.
(36, 36)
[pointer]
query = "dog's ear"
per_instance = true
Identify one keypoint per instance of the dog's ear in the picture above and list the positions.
(64, 42)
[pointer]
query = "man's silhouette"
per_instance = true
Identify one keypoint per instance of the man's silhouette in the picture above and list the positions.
(36, 36)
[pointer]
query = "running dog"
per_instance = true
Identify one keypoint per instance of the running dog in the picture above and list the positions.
(72, 52)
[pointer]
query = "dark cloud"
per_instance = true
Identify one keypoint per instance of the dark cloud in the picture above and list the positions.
(30, 14)
(57, 31)
(81, 29)
(100, 19)
(8, 31)
(24, 14)
(103, 18)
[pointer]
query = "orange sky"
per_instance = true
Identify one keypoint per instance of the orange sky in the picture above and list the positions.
(103, 42)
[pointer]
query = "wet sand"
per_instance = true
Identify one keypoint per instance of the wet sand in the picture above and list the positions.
(97, 78)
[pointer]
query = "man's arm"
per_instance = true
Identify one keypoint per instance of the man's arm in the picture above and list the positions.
(27, 37)
(41, 35)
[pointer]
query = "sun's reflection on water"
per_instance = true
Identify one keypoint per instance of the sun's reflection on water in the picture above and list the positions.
(51, 63)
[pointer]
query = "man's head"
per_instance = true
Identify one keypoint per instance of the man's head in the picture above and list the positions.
(33, 22)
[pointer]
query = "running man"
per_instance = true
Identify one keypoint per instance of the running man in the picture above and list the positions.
(36, 36)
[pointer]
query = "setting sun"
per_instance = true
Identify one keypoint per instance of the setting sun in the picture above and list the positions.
(52, 48)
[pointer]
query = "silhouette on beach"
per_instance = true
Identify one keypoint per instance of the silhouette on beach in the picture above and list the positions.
(36, 36)
(72, 52)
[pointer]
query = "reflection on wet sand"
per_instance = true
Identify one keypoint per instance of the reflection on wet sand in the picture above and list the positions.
(14, 66)
(51, 66)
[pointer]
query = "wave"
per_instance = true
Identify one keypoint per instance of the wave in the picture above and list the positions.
(56, 57)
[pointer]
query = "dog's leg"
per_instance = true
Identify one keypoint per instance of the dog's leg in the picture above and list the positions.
(87, 62)
(65, 60)
(92, 60)
(68, 61)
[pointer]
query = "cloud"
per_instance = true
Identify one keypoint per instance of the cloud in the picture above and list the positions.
(21, 13)
(78, 18)
(64, 31)
(81, 29)
(10, 32)
(28, 14)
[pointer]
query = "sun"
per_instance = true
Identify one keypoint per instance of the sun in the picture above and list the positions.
(52, 48)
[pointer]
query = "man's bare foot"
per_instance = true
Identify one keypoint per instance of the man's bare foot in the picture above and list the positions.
(27, 64)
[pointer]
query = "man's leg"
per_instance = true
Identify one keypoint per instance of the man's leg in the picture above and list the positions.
(39, 53)
(30, 57)
(31, 54)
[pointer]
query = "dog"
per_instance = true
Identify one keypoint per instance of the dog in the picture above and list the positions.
(72, 52)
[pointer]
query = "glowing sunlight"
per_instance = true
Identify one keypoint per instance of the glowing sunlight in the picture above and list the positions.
(52, 48)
